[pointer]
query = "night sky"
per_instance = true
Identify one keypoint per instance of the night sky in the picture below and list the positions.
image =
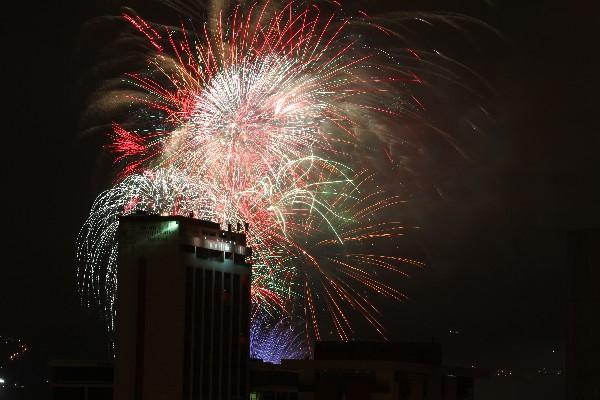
(494, 236)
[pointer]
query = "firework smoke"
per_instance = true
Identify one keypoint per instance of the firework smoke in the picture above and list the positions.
(283, 116)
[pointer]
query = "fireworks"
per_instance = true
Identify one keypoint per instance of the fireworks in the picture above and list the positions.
(280, 340)
(269, 116)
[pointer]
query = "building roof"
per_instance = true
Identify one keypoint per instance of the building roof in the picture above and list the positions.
(142, 216)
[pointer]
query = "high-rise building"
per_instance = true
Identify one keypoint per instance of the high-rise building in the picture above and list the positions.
(583, 332)
(182, 310)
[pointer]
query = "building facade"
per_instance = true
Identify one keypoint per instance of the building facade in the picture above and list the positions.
(365, 371)
(182, 310)
(81, 380)
(583, 330)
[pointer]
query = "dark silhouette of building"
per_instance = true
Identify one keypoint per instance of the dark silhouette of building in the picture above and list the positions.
(355, 370)
(81, 380)
(365, 371)
(272, 381)
(182, 310)
(583, 333)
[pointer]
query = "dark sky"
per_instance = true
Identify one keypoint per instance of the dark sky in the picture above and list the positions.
(495, 242)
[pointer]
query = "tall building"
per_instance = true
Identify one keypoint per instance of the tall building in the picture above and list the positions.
(182, 310)
(583, 332)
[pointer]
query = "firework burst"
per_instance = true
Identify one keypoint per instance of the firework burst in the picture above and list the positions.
(272, 115)
(274, 341)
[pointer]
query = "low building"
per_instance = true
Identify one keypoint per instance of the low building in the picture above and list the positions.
(365, 371)
(272, 381)
(354, 370)
(81, 380)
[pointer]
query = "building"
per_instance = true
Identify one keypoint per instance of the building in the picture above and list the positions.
(81, 380)
(272, 381)
(365, 371)
(182, 310)
(583, 331)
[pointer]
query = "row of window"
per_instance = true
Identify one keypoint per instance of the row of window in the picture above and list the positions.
(214, 255)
